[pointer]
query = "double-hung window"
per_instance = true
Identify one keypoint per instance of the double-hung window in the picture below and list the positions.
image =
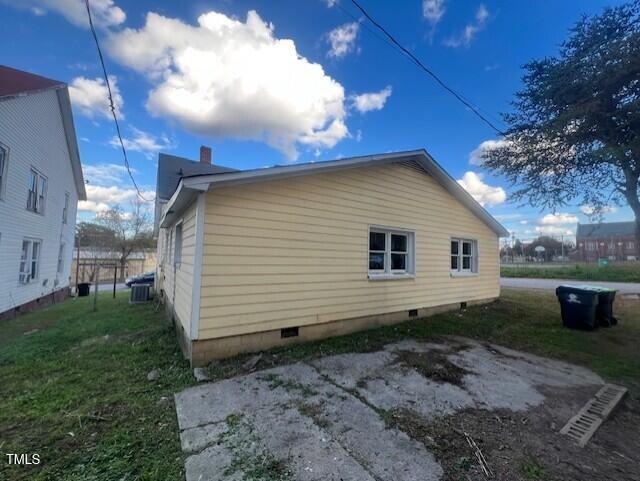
(37, 192)
(464, 256)
(61, 258)
(177, 253)
(3, 169)
(391, 253)
(29, 261)
(65, 209)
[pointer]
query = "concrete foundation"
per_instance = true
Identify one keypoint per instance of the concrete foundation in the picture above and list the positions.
(201, 352)
(51, 298)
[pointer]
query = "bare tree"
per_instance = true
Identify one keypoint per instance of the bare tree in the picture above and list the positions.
(131, 231)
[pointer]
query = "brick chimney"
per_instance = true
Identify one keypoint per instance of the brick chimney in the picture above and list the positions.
(205, 154)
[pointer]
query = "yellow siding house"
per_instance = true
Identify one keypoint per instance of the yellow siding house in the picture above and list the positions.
(261, 258)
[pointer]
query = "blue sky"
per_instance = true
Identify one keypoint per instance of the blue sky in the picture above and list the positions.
(268, 83)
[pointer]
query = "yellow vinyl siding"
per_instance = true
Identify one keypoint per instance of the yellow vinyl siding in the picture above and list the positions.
(182, 296)
(294, 252)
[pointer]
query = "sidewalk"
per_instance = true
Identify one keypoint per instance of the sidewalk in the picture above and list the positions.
(551, 284)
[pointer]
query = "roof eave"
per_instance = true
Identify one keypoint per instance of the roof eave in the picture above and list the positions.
(202, 183)
(182, 198)
(72, 142)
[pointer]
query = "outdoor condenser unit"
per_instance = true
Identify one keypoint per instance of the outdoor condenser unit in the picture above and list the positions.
(139, 293)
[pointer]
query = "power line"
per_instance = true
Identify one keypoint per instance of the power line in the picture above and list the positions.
(419, 63)
(112, 106)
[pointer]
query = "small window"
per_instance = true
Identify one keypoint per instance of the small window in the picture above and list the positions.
(177, 254)
(3, 169)
(29, 261)
(61, 258)
(631, 245)
(65, 209)
(390, 253)
(37, 192)
(464, 256)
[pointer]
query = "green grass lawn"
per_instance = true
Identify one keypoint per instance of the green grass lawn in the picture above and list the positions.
(76, 391)
(627, 272)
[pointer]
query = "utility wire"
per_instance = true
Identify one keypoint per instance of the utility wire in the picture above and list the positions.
(112, 106)
(421, 65)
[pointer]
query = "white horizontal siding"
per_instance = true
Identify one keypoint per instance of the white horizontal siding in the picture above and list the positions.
(177, 281)
(31, 127)
(295, 251)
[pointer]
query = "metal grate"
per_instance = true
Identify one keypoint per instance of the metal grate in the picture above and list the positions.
(583, 425)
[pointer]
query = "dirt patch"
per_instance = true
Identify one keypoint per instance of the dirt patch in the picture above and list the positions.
(527, 446)
(314, 411)
(433, 365)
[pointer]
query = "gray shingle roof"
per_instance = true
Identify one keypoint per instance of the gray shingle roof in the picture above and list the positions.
(172, 168)
(606, 229)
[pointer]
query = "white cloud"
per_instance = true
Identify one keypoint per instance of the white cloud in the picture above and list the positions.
(331, 3)
(371, 101)
(433, 10)
(589, 210)
(103, 174)
(224, 77)
(105, 13)
(554, 230)
(91, 97)
(481, 192)
(143, 142)
(475, 157)
(464, 38)
(92, 206)
(343, 39)
(558, 219)
(507, 217)
(101, 198)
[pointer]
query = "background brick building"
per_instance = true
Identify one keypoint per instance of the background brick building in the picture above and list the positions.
(615, 241)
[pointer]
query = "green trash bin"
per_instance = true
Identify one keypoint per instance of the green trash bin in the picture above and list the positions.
(578, 307)
(604, 311)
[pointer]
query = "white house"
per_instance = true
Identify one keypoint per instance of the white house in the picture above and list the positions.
(40, 185)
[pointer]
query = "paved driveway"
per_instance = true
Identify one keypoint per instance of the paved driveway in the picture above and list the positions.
(397, 414)
(551, 284)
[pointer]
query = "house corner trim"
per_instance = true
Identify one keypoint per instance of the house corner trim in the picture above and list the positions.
(197, 268)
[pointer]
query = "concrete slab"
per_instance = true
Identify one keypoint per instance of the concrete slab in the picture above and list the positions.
(326, 419)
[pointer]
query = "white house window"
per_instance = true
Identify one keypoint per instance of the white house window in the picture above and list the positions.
(3, 169)
(65, 209)
(37, 192)
(630, 245)
(177, 254)
(61, 258)
(29, 261)
(391, 253)
(591, 245)
(463, 255)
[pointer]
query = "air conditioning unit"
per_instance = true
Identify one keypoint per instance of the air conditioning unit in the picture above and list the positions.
(140, 293)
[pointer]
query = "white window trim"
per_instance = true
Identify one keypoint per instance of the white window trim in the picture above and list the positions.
(475, 264)
(65, 207)
(61, 255)
(388, 273)
(39, 206)
(4, 171)
(29, 260)
(178, 262)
